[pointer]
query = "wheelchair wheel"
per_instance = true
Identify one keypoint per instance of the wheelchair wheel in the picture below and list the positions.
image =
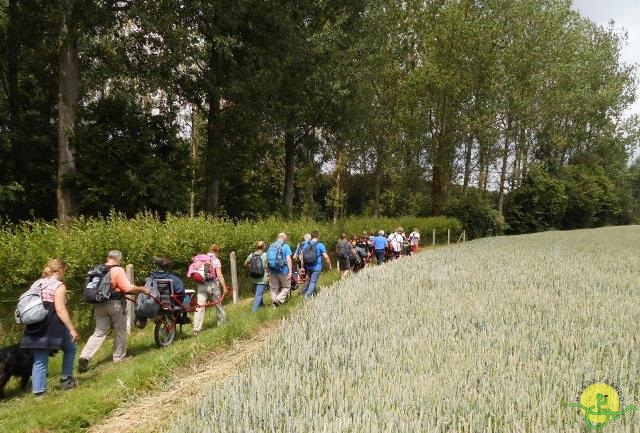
(165, 331)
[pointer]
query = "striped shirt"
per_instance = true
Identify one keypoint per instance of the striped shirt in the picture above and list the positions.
(49, 286)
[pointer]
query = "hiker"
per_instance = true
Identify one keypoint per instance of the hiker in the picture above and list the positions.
(312, 255)
(209, 288)
(111, 313)
(414, 240)
(54, 333)
(259, 272)
(363, 248)
(297, 254)
(396, 242)
(380, 247)
(343, 250)
(280, 268)
(355, 258)
(163, 264)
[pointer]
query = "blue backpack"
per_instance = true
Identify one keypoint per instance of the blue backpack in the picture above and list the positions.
(275, 258)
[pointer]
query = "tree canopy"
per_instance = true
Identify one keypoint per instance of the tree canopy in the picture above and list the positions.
(509, 114)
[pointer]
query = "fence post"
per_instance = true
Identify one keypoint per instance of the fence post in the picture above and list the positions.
(130, 313)
(448, 236)
(234, 276)
(464, 236)
(433, 238)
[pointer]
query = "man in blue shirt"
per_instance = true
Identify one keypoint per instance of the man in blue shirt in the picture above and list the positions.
(314, 269)
(297, 254)
(279, 274)
(380, 246)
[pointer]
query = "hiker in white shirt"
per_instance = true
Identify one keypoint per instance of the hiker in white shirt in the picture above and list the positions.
(414, 240)
(396, 241)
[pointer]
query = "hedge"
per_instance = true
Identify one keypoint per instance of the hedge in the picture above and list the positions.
(25, 247)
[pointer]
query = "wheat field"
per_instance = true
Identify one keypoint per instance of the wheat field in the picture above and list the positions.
(495, 335)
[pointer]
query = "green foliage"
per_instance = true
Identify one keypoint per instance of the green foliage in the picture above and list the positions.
(578, 197)
(478, 216)
(399, 101)
(129, 160)
(539, 205)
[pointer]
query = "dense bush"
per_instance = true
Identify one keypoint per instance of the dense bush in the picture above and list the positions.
(478, 216)
(576, 196)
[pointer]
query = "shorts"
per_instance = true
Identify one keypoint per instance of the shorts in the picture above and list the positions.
(345, 263)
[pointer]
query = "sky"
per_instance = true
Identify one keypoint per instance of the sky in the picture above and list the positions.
(624, 13)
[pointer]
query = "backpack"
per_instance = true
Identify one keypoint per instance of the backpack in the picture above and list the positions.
(344, 249)
(275, 258)
(256, 267)
(30, 308)
(146, 306)
(200, 269)
(97, 286)
(310, 254)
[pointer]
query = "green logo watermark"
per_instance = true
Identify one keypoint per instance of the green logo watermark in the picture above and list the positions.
(600, 404)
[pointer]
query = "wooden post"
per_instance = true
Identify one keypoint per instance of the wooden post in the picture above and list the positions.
(130, 313)
(433, 238)
(464, 236)
(448, 236)
(234, 276)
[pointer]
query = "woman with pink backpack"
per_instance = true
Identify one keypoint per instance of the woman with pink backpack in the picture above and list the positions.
(206, 270)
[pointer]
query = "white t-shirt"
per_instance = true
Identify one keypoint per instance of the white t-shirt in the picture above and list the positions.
(414, 238)
(396, 241)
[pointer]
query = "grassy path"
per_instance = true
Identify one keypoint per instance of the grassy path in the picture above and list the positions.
(108, 389)
(143, 415)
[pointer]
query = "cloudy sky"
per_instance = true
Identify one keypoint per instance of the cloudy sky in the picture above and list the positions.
(625, 13)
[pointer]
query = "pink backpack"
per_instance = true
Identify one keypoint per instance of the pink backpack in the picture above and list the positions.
(201, 269)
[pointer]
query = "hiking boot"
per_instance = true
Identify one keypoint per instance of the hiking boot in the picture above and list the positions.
(68, 383)
(39, 395)
(83, 365)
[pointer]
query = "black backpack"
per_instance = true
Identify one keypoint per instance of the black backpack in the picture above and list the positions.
(97, 286)
(310, 254)
(256, 266)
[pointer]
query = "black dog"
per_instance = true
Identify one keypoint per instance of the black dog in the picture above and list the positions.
(15, 362)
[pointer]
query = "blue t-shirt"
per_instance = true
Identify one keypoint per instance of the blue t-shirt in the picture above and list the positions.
(320, 250)
(380, 243)
(286, 252)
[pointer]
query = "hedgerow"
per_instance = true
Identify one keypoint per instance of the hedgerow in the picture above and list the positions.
(25, 247)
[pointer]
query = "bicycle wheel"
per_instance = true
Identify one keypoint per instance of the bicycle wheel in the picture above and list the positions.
(165, 331)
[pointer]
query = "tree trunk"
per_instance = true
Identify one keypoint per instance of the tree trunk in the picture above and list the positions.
(67, 105)
(337, 201)
(13, 96)
(289, 168)
(194, 147)
(503, 171)
(215, 141)
(467, 167)
(440, 178)
(214, 154)
(310, 206)
(482, 161)
(378, 177)
(525, 157)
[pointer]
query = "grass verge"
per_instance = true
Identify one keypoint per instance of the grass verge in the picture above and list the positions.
(106, 386)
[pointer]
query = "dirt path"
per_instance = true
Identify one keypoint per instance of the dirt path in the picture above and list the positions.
(142, 415)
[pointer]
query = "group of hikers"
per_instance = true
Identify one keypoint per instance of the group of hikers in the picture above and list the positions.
(107, 287)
